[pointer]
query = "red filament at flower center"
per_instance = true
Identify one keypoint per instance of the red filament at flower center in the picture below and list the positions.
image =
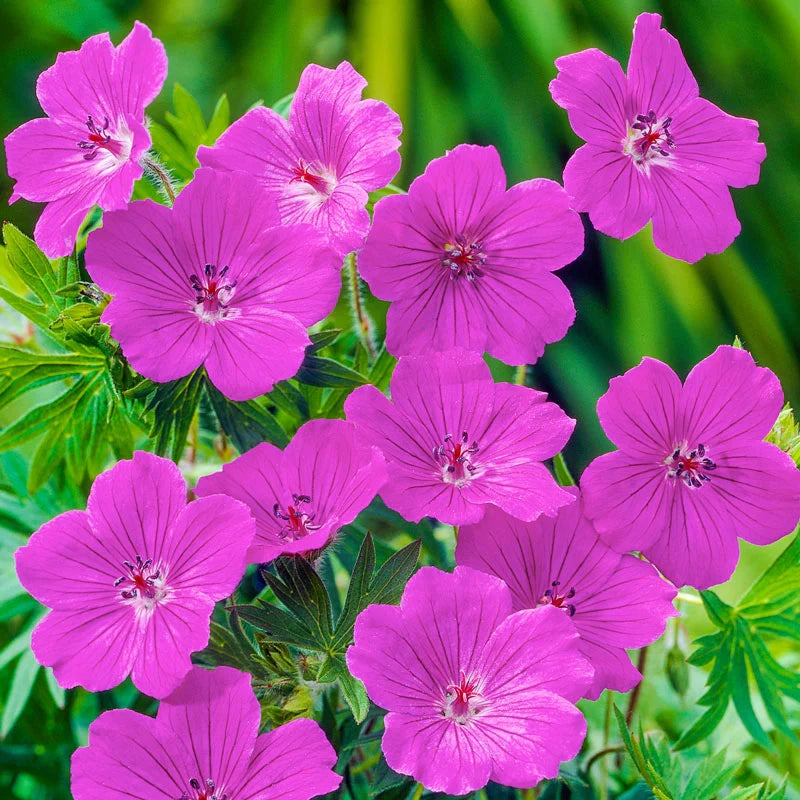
(655, 139)
(463, 700)
(464, 257)
(98, 138)
(202, 791)
(140, 580)
(551, 597)
(691, 466)
(455, 456)
(298, 523)
(212, 293)
(304, 173)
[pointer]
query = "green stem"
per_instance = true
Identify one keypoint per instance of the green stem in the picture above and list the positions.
(521, 374)
(689, 598)
(640, 665)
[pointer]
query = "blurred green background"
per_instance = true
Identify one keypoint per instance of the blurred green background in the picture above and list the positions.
(478, 71)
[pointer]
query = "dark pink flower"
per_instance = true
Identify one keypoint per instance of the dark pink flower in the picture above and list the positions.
(454, 441)
(216, 280)
(617, 602)
(467, 263)
(86, 151)
(321, 163)
(132, 580)
(203, 745)
(655, 149)
(692, 472)
(473, 694)
(303, 495)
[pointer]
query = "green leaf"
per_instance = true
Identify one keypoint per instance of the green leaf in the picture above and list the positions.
(21, 686)
(353, 690)
(563, 475)
(379, 194)
(220, 120)
(718, 612)
(324, 372)
(283, 105)
(322, 339)
(280, 626)
(384, 778)
(33, 267)
(246, 424)
(173, 406)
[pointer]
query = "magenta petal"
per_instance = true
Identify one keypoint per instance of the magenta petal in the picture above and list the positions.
(292, 762)
(140, 68)
(727, 397)
(258, 143)
(134, 252)
(606, 183)
(44, 160)
(209, 220)
(447, 314)
(291, 270)
(720, 145)
(639, 412)
(201, 561)
(697, 548)
(527, 755)
(134, 504)
(329, 462)
(129, 755)
(756, 491)
(94, 646)
(441, 756)
(592, 87)
(59, 223)
(658, 75)
(216, 716)
(160, 343)
(78, 83)
(252, 352)
(385, 658)
(535, 648)
(256, 479)
(628, 499)
(177, 628)
(62, 565)
(693, 215)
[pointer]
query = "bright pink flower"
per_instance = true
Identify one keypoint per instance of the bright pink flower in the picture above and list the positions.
(86, 151)
(692, 472)
(455, 441)
(132, 580)
(203, 745)
(216, 280)
(656, 150)
(617, 602)
(303, 495)
(473, 694)
(321, 163)
(467, 263)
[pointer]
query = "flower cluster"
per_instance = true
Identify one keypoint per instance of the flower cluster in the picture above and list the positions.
(479, 670)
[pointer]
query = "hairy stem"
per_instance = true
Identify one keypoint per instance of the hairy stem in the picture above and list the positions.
(362, 320)
(162, 175)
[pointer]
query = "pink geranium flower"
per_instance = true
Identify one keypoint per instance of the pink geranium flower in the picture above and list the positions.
(321, 162)
(617, 602)
(692, 472)
(303, 495)
(132, 580)
(86, 151)
(655, 149)
(467, 263)
(455, 441)
(203, 745)
(216, 280)
(473, 694)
